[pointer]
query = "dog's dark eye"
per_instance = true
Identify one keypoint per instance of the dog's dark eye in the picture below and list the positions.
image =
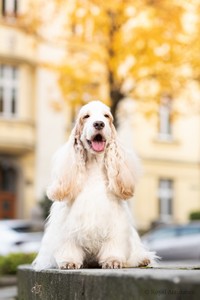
(106, 116)
(86, 116)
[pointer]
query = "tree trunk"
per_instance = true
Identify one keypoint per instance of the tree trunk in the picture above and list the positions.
(114, 86)
(115, 96)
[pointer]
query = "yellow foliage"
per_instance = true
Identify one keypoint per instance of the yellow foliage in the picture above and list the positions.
(128, 48)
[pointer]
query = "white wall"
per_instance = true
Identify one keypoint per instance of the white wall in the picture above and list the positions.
(50, 131)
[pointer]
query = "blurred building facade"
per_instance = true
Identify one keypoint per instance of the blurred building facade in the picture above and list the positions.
(17, 115)
(169, 149)
(33, 125)
(27, 120)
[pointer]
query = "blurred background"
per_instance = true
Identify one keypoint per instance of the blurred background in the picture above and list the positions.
(142, 58)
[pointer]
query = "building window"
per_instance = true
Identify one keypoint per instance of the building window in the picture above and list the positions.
(165, 199)
(165, 114)
(9, 8)
(8, 90)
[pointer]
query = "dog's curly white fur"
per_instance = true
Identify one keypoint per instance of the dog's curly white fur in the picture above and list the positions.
(90, 223)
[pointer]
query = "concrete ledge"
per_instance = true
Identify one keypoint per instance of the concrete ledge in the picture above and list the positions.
(98, 284)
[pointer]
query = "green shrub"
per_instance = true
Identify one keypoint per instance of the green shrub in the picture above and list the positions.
(45, 205)
(10, 262)
(194, 215)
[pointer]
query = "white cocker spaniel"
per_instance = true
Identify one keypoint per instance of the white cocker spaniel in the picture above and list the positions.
(93, 176)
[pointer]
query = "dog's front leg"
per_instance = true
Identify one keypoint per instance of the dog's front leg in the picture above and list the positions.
(112, 254)
(69, 256)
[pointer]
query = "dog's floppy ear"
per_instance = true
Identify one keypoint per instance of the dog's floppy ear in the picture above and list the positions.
(122, 168)
(68, 168)
(77, 131)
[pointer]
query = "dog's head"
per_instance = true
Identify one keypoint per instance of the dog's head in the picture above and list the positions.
(94, 127)
(95, 134)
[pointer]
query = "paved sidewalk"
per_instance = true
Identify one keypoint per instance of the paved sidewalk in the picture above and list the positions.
(193, 264)
(8, 293)
(8, 287)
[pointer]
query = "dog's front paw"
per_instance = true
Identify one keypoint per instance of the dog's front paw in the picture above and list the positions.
(144, 263)
(70, 266)
(112, 264)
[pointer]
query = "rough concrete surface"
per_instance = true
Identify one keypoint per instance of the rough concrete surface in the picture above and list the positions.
(98, 284)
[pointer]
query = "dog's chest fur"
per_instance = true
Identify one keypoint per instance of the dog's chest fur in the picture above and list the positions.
(93, 214)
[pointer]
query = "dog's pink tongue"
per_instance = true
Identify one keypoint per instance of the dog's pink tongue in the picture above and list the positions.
(98, 146)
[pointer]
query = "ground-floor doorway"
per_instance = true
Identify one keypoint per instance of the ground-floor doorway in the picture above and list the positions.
(8, 187)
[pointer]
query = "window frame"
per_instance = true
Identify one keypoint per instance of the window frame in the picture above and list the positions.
(166, 197)
(9, 91)
(165, 119)
(9, 8)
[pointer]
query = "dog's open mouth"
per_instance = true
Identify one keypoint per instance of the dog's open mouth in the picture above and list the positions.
(97, 143)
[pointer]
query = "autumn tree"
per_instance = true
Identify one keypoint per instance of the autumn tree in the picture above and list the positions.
(144, 49)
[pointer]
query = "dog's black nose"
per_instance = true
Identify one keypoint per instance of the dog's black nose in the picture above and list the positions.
(98, 125)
